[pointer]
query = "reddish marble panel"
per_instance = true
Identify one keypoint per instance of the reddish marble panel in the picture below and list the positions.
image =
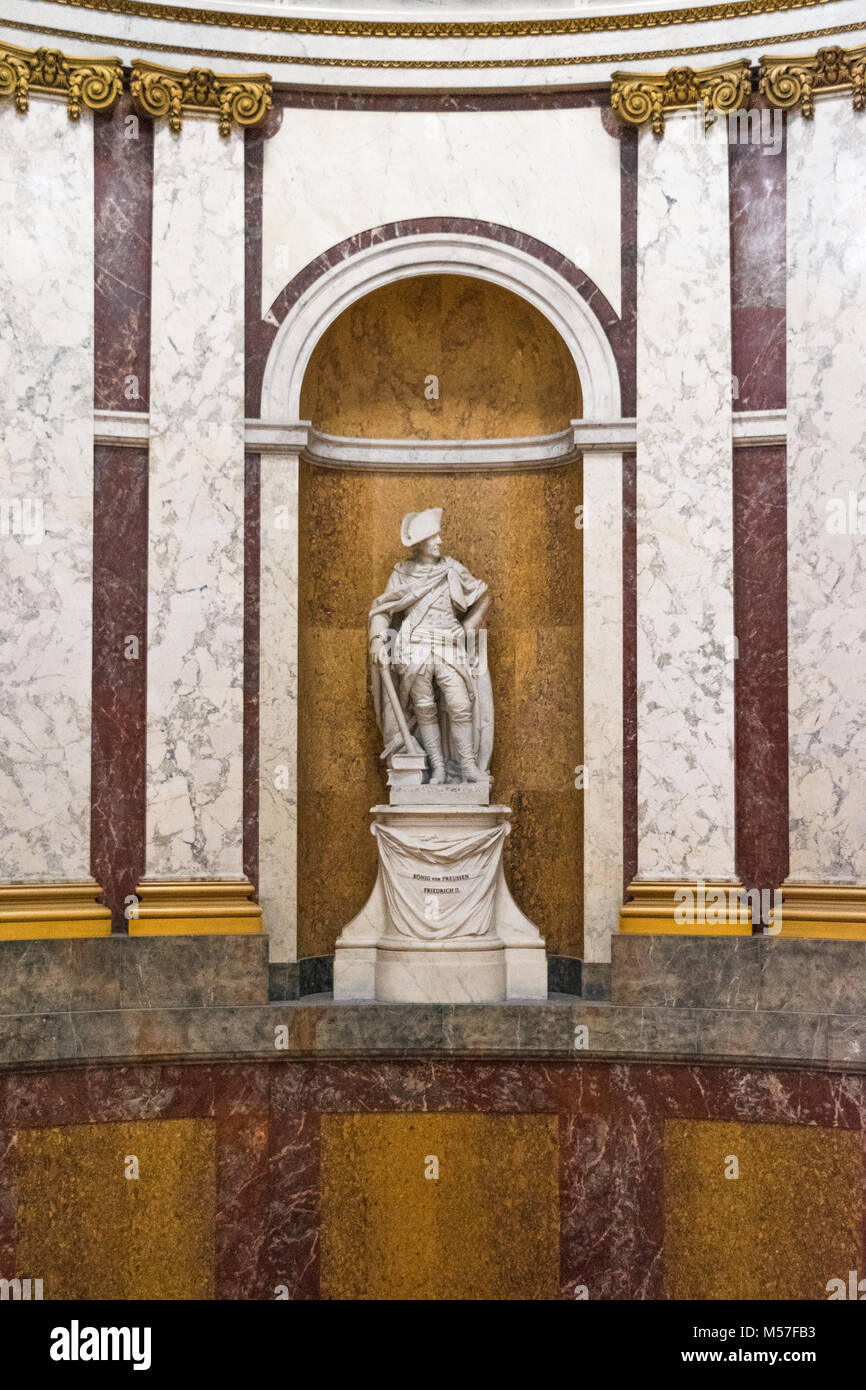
(267, 1116)
(117, 815)
(123, 194)
(761, 670)
(758, 270)
(444, 101)
(258, 335)
(241, 1103)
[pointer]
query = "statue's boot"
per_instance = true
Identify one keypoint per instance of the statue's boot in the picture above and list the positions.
(461, 735)
(429, 737)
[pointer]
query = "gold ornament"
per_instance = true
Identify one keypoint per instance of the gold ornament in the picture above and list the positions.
(638, 98)
(161, 92)
(432, 64)
(789, 82)
(727, 10)
(92, 82)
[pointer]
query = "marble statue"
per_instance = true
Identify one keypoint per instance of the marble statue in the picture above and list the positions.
(440, 925)
(431, 686)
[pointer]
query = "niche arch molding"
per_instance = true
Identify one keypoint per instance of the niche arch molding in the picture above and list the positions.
(439, 253)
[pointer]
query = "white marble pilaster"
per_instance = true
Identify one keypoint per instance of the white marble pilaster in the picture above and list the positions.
(196, 504)
(826, 206)
(278, 702)
(602, 700)
(46, 490)
(684, 506)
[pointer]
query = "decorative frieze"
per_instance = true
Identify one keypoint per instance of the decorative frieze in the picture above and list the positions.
(639, 98)
(790, 82)
(161, 92)
(92, 82)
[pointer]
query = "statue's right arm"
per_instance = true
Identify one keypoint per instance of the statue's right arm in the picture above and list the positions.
(380, 623)
(379, 649)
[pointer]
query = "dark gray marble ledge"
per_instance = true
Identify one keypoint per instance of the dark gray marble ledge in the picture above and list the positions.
(98, 973)
(316, 1027)
(758, 973)
(741, 999)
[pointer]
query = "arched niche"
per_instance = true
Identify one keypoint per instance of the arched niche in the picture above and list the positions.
(308, 864)
(441, 357)
(502, 371)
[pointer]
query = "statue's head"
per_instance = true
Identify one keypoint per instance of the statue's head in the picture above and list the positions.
(420, 533)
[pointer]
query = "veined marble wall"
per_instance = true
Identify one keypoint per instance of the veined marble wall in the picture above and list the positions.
(684, 506)
(827, 493)
(46, 490)
(552, 174)
(248, 224)
(196, 595)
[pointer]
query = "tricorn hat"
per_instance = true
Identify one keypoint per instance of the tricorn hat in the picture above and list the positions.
(420, 526)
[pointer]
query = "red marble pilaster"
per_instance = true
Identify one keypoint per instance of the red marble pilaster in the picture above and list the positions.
(123, 194)
(758, 328)
(761, 668)
(118, 759)
(758, 269)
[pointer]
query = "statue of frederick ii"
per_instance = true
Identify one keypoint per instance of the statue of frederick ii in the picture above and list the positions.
(429, 657)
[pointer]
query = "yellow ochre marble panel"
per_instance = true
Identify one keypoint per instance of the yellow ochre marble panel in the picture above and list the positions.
(91, 1232)
(440, 1206)
(787, 1224)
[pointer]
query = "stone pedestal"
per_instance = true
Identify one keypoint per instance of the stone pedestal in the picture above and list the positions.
(440, 925)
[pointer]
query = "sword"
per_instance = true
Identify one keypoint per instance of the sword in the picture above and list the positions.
(410, 744)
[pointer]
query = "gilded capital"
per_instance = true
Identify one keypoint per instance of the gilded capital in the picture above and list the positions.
(644, 98)
(790, 82)
(168, 93)
(92, 82)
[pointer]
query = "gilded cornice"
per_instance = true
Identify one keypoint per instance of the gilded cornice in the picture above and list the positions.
(790, 82)
(304, 60)
(443, 29)
(241, 99)
(641, 98)
(92, 82)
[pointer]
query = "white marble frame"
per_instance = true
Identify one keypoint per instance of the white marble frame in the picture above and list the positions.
(130, 429)
(300, 331)
(434, 253)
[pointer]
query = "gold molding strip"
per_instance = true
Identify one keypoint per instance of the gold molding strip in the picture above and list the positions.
(92, 82)
(439, 29)
(242, 100)
(829, 910)
(177, 907)
(429, 65)
(30, 911)
(654, 909)
(789, 82)
(639, 98)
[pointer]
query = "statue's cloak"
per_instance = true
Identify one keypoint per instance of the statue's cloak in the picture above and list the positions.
(407, 588)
